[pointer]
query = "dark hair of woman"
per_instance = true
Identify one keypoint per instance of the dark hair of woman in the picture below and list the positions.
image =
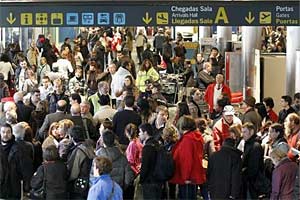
(201, 124)
(131, 131)
(187, 123)
(183, 109)
(107, 124)
(262, 111)
(143, 67)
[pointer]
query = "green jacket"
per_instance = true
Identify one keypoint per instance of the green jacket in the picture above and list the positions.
(142, 76)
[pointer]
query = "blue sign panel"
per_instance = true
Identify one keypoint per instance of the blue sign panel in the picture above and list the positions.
(166, 13)
(119, 19)
(103, 19)
(72, 19)
(87, 19)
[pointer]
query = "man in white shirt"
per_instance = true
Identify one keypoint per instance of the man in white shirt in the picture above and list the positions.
(63, 65)
(46, 88)
(118, 80)
(6, 67)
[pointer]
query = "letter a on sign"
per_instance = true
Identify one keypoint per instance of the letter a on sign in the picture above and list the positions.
(221, 15)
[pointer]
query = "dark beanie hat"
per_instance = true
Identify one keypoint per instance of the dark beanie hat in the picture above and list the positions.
(104, 100)
(77, 133)
(250, 101)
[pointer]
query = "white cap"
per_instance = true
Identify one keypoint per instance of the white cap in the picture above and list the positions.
(228, 110)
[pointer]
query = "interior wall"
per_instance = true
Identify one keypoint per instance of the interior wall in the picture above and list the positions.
(274, 78)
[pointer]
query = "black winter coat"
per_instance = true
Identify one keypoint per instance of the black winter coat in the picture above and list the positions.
(224, 172)
(23, 112)
(20, 167)
(55, 174)
(149, 153)
(253, 164)
(3, 174)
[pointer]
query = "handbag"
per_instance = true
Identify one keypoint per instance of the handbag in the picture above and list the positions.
(41, 192)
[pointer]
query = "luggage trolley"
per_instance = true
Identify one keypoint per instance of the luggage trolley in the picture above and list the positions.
(172, 87)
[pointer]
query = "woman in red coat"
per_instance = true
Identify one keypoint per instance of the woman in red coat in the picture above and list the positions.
(187, 155)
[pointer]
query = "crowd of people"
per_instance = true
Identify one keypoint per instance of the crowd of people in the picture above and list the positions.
(89, 122)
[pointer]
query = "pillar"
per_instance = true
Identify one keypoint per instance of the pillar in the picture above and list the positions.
(251, 40)
(297, 78)
(224, 34)
(36, 32)
(292, 44)
(204, 32)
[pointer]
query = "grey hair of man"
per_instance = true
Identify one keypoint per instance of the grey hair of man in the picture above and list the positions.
(19, 131)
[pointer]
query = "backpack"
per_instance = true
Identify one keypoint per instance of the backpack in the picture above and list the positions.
(164, 166)
(81, 184)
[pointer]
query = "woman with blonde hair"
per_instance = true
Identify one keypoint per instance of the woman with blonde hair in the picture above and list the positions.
(53, 136)
(170, 136)
(65, 140)
(63, 127)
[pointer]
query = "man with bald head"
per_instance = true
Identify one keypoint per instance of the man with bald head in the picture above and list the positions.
(60, 114)
(90, 132)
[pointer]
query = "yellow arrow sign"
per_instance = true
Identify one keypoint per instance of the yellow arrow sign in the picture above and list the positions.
(249, 18)
(147, 19)
(11, 19)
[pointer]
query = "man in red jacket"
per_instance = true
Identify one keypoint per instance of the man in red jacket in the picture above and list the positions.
(215, 91)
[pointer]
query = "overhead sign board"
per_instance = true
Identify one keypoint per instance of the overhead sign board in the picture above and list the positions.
(124, 13)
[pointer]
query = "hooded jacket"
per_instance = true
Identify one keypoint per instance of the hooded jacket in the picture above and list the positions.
(121, 172)
(77, 157)
(188, 155)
